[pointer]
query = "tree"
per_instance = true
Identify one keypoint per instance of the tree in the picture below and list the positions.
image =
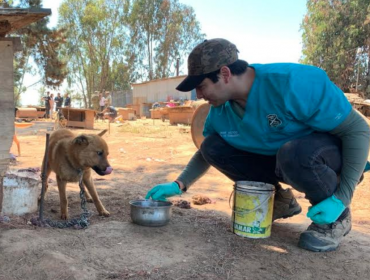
(41, 91)
(160, 32)
(365, 61)
(333, 32)
(112, 43)
(41, 45)
(96, 37)
(179, 33)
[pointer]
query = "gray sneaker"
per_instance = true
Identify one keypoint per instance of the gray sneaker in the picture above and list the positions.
(285, 205)
(325, 238)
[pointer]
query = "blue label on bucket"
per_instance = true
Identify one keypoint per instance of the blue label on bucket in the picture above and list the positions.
(249, 229)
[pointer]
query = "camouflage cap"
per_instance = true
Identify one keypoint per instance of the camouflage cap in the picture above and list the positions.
(205, 58)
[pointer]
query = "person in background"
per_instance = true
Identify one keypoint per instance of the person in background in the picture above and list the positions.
(47, 104)
(272, 123)
(58, 102)
(108, 99)
(109, 113)
(156, 105)
(171, 104)
(51, 102)
(101, 102)
(67, 100)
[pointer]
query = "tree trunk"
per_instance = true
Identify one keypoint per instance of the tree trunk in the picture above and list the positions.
(367, 79)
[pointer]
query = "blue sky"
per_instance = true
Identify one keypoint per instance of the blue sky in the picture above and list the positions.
(264, 31)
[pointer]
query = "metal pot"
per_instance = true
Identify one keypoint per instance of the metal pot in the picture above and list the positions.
(150, 213)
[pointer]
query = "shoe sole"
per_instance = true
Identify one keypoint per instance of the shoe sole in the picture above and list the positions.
(307, 246)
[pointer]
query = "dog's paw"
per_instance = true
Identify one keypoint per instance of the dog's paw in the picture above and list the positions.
(89, 200)
(64, 216)
(104, 213)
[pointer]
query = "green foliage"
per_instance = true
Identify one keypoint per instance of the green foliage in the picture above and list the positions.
(333, 32)
(112, 43)
(108, 44)
(178, 35)
(160, 32)
(41, 91)
(41, 45)
(94, 49)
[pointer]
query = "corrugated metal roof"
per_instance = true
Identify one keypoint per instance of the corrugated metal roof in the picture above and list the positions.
(159, 80)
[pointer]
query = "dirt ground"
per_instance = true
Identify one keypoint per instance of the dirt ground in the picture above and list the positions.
(196, 244)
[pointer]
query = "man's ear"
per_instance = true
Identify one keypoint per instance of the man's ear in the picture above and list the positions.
(225, 74)
(103, 132)
(81, 140)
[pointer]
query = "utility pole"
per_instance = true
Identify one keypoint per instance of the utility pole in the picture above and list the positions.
(358, 68)
(177, 66)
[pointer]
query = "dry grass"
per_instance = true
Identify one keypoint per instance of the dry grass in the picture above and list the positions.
(150, 127)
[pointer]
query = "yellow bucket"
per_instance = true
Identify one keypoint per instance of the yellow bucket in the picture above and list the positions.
(253, 204)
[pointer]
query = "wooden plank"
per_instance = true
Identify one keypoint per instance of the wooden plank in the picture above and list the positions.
(83, 118)
(6, 108)
(6, 104)
(4, 27)
(76, 124)
(19, 18)
(17, 45)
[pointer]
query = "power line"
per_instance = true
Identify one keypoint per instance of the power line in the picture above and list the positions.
(33, 84)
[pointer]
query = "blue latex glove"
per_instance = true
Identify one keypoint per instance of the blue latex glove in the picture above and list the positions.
(327, 211)
(162, 191)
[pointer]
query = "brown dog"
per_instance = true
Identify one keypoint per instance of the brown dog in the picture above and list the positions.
(69, 155)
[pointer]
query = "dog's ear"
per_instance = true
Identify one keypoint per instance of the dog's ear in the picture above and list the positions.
(81, 140)
(103, 132)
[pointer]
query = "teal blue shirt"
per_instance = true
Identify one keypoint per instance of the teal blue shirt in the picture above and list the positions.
(286, 101)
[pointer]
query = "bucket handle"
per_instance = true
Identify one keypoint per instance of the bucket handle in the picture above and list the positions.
(251, 210)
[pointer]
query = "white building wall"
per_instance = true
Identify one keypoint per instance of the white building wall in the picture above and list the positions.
(159, 90)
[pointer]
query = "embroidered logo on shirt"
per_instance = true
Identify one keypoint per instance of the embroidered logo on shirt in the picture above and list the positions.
(229, 134)
(338, 116)
(274, 121)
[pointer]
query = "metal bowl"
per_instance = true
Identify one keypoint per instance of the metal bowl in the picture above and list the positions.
(150, 213)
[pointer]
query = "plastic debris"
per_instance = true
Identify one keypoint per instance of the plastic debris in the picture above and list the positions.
(4, 219)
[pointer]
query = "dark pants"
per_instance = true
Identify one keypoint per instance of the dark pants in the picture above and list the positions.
(310, 164)
(47, 112)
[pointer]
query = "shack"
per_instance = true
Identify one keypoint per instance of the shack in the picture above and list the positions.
(160, 90)
(10, 21)
(30, 113)
(359, 103)
(83, 118)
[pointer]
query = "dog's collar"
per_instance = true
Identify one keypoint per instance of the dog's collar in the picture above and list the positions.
(78, 170)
